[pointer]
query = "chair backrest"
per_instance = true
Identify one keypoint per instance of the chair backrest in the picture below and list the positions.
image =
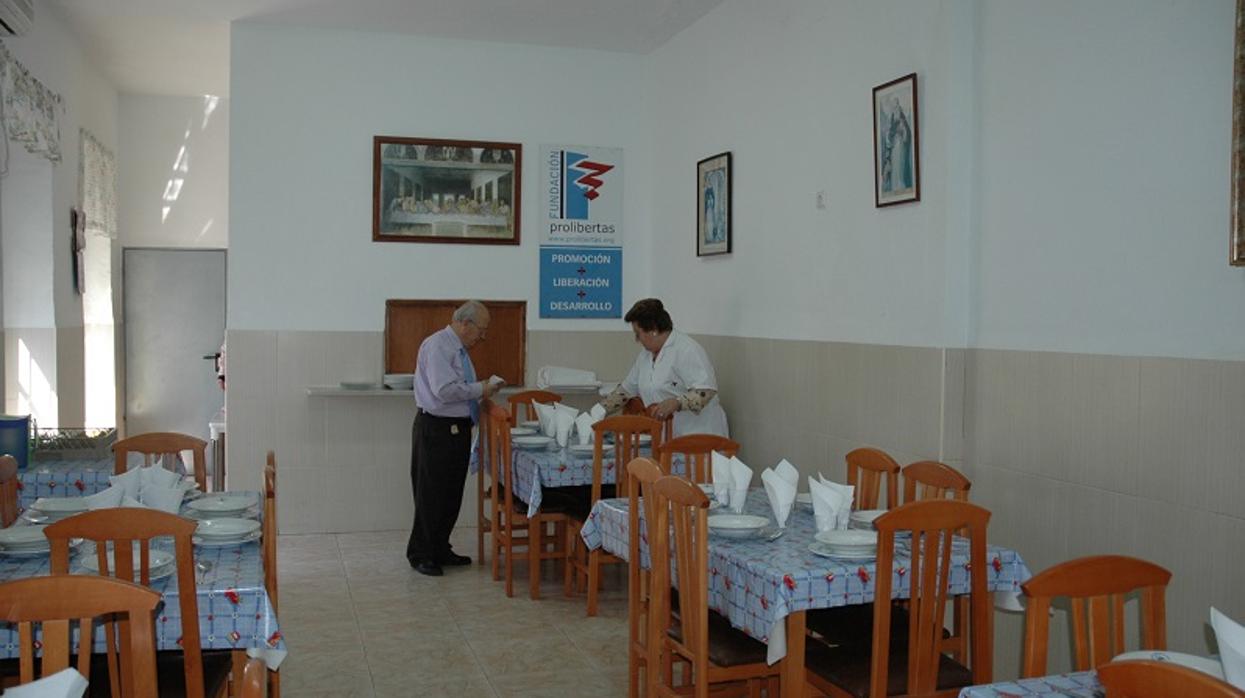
(934, 524)
(1150, 679)
(1095, 586)
(697, 451)
(642, 473)
(499, 460)
(627, 430)
(163, 443)
(866, 467)
(681, 505)
(8, 490)
(270, 529)
(525, 399)
(127, 528)
(54, 601)
(929, 479)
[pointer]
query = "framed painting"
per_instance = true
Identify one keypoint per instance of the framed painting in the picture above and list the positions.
(713, 205)
(896, 143)
(436, 190)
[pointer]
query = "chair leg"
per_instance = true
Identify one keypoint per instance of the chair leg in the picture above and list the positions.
(535, 544)
(510, 562)
(594, 580)
(480, 542)
(568, 568)
(497, 542)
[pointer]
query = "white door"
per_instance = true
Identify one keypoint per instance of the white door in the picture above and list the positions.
(174, 317)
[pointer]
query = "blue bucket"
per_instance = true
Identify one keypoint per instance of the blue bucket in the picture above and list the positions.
(15, 438)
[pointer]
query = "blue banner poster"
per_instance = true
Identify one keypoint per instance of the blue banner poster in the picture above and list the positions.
(581, 232)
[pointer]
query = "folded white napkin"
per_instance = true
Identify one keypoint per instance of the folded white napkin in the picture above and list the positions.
(131, 481)
(788, 472)
(105, 499)
(781, 494)
(847, 492)
(157, 477)
(545, 414)
(597, 412)
(559, 375)
(1230, 636)
(66, 683)
(583, 427)
(741, 478)
(564, 424)
(163, 498)
(832, 507)
(131, 503)
(721, 474)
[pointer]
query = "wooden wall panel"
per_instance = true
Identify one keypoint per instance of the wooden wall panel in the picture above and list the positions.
(503, 352)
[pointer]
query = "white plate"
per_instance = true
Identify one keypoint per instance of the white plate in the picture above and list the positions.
(53, 506)
(225, 543)
(866, 516)
(26, 552)
(531, 424)
(531, 442)
(736, 525)
(226, 528)
(23, 537)
(582, 449)
(158, 560)
(1206, 665)
(523, 431)
(824, 550)
(222, 504)
(356, 385)
(849, 538)
(646, 438)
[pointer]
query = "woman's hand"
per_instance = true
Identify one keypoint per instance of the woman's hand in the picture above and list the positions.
(664, 409)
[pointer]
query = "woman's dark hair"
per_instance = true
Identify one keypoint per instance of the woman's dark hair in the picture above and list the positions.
(650, 316)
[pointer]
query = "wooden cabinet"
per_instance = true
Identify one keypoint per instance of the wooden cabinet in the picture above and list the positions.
(503, 352)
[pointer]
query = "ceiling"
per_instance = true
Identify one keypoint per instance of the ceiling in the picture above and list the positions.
(182, 46)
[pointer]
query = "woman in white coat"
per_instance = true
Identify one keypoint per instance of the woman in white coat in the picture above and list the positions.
(672, 375)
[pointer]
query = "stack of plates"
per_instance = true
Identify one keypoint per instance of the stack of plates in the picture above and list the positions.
(523, 431)
(582, 449)
(24, 541)
(220, 533)
(57, 508)
(400, 381)
(218, 506)
(737, 525)
(863, 520)
(1206, 665)
(846, 545)
(531, 443)
(531, 424)
(161, 563)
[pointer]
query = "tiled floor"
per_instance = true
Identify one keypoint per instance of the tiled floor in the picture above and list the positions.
(359, 621)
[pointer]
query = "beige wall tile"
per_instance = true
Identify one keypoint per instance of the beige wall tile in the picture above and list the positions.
(1105, 423)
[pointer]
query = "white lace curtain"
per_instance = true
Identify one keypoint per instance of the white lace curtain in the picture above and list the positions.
(31, 111)
(99, 187)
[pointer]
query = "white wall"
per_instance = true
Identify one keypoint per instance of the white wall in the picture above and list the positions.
(1104, 179)
(305, 105)
(175, 157)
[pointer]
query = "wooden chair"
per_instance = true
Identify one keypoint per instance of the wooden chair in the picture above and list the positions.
(930, 479)
(167, 444)
(8, 490)
(484, 508)
(636, 406)
(525, 400)
(55, 601)
(1151, 679)
(641, 474)
(865, 469)
(510, 517)
(627, 430)
(273, 685)
(1096, 587)
(202, 673)
(886, 664)
(718, 654)
(697, 451)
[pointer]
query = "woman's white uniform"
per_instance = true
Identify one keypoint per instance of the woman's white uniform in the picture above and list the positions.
(680, 366)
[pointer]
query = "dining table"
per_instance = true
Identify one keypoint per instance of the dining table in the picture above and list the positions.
(1079, 684)
(765, 585)
(63, 478)
(235, 612)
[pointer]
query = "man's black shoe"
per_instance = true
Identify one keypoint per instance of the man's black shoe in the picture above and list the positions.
(428, 567)
(453, 559)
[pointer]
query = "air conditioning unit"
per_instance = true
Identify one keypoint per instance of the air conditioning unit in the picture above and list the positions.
(16, 16)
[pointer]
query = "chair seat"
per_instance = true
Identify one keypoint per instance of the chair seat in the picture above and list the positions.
(727, 646)
(847, 667)
(853, 625)
(170, 674)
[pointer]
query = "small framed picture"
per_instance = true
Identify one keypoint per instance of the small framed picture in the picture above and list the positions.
(713, 205)
(435, 190)
(896, 143)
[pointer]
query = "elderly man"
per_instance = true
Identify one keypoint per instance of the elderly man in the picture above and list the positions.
(447, 396)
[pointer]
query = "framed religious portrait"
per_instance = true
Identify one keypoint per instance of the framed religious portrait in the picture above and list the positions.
(713, 205)
(896, 143)
(436, 190)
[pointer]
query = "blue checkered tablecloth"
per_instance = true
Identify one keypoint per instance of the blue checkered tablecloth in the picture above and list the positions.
(536, 470)
(757, 583)
(62, 478)
(234, 610)
(1082, 684)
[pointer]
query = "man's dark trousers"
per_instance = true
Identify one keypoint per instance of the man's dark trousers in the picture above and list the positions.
(440, 453)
